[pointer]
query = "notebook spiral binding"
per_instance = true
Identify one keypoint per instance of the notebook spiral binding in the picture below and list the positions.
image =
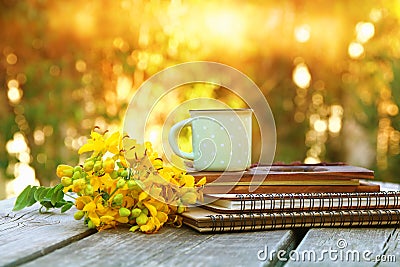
(318, 201)
(303, 219)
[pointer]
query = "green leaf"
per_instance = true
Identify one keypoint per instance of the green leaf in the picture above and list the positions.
(31, 197)
(46, 204)
(57, 196)
(43, 194)
(60, 204)
(49, 194)
(66, 207)
(22, 199)
(38, 192)
(58, 187)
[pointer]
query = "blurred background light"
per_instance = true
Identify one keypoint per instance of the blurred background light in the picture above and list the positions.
(330, 73)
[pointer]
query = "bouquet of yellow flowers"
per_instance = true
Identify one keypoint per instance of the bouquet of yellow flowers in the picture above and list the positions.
(122, 182)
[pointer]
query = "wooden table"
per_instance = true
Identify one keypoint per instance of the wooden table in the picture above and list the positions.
(28, 238)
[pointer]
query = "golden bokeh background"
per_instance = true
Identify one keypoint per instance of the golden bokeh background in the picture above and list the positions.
(330, 71)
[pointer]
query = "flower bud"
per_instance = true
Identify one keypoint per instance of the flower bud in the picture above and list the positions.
(88, 165)
(181, 209)
(118, 199)
(132, 184)
(79, 215)
(136, 212)
(91, 225)
(134, 228)
(145, 211)
(114, 174)
(64, 170)
(84, 175)
(121, 182)
(124, 173)
(97, 166)
(78, 169)
(142, 219)
(66, 181)
(76, 175)
(78, 184)
(124, 212)
(89, 190)
(108, 165)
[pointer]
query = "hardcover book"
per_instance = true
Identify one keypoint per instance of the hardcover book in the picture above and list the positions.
(305, 178)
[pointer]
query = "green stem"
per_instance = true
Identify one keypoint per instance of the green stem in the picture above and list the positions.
(113, 192)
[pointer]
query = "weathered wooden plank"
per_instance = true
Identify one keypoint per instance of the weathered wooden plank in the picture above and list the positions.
(392, 250)
(27, 234)
(169, 247)
(346, 247)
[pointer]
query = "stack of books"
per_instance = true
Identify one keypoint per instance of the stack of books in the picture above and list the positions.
(311, 178)
(292, 197)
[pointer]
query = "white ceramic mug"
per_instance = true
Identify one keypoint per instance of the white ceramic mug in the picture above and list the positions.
(221, 139)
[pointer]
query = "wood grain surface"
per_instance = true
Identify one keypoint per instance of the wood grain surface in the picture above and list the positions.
(27, 234)
(169, 247)
(348, 247)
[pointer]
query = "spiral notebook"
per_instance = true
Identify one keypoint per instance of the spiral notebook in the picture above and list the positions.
(246, 203)
(207, 221)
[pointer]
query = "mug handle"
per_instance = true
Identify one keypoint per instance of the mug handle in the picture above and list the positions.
(173, 139)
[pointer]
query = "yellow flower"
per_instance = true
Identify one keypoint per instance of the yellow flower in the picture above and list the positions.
(108, 165)
(81, 201)
(151, 208)
(104, 183)
(143, 196)
(78, 185)
(96, 183)
(162, 217)
(128, 202)
(157, 163)
(94, 218)
(201, 182)
(122, 219)
(148, 147)
(149, 193)
(112, 143)
(95, 144)
(187, 181)
(91, 206)
(133, 150)
(152, 226)
(165, 174)
(107, 219)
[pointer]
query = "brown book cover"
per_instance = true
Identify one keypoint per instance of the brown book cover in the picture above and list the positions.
(303, 172)
(245, 189)
(298, 178)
